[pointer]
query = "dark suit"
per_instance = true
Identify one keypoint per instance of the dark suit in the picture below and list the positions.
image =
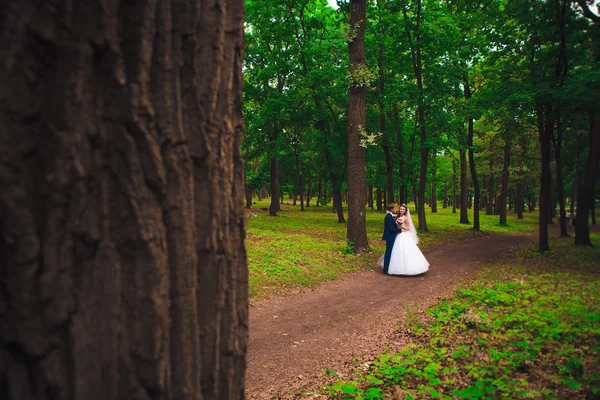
(390, 230)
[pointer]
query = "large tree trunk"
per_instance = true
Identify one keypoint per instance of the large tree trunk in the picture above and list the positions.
(464, 187)
(357, 182)
(123, 264)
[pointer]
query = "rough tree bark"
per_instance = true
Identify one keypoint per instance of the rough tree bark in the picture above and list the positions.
(357, 181)
(122, 259)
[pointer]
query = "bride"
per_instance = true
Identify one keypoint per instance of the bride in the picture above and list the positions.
(407, 258)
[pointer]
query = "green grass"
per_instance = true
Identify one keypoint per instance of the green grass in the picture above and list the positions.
(528, 329)
(300, 249)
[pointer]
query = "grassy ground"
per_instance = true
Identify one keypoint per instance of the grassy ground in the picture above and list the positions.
(527, 329)
(298, 249)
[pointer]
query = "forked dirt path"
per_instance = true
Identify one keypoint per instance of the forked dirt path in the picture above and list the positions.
(295, 337)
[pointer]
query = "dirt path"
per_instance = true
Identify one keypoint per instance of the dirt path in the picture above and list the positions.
(294, 338)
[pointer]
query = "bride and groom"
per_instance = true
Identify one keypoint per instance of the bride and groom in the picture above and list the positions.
(402, 255)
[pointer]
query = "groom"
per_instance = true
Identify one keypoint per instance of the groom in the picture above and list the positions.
(390, 230)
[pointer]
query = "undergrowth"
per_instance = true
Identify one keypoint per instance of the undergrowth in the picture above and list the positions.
(528, 329)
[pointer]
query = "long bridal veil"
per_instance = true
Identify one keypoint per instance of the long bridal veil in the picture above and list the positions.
(412, 230)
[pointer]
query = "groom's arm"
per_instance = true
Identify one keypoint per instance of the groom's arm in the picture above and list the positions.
(392, 226)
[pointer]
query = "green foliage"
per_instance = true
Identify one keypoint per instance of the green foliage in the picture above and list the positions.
(528, 329)
(361, 76)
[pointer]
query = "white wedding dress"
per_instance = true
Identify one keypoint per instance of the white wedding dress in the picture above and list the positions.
(407, 258)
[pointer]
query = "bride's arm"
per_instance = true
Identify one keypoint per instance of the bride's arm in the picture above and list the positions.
(407, 228)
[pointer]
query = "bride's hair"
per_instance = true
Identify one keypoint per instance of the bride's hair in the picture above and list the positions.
(403, 205)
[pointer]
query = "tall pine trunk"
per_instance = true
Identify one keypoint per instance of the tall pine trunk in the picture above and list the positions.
(122, 244)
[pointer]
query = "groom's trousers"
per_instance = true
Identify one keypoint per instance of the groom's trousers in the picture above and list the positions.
(389, 245)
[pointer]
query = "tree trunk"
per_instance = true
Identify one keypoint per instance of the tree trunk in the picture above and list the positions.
(445, 204)
(559, 179)
(415, 49)
(275, 189)
(489, 209)
(545, 130)
(519, 200)
(336, 194)
(371, 206)
(474, 179)
(124, 269)
(586, 188)
(433, 186)
(453, 185)
(573, 196)
(464, 187)
(401, 167)
(504, 190)
(357, 183)
(379, 199)
(319, 193)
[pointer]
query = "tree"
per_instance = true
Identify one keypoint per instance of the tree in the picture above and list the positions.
(357, 182)
(123, 265)
(585, 194)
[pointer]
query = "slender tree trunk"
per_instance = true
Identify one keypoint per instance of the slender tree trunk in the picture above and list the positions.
(453, 185)
(124, 269)
(433, 186)
(319, 193)
(445, 204)
(573, 196)
(275, 189)
(586, 188)
(472, 167)
(336, 194)
(424, 150)
(401, 166)
(464, 187)
(504, 190)
(545, 130)
(379, 198)
(559, 179)
(489, 209)
(519, 200)
(371, 205)
(357, 183)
